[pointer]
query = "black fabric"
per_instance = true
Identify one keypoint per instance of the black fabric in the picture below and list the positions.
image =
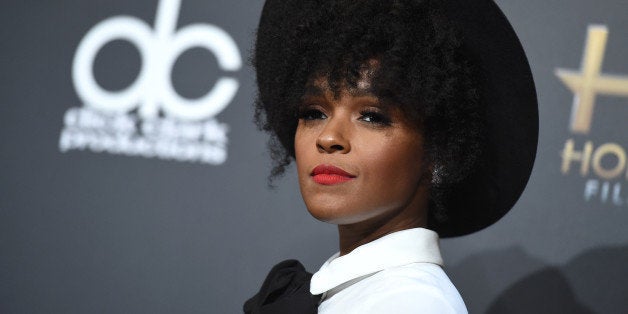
(286, 289)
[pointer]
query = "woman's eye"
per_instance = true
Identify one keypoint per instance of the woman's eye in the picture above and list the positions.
(312, 114)
(375, 118)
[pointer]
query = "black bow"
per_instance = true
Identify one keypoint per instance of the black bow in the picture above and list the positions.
(286, 289)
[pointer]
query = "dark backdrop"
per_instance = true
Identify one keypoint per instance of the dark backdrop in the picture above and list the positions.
(106, 210)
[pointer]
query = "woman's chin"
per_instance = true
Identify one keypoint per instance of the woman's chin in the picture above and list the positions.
(337, 216)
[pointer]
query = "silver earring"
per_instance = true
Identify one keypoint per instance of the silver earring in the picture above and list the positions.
(437, 174)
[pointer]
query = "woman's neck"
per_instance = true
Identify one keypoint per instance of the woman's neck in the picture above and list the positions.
(352, 236)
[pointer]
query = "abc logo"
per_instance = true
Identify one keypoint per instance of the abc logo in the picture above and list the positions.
(159, 49)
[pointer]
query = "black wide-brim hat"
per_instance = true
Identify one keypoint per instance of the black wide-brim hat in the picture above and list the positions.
(512, 124)
(507, 94)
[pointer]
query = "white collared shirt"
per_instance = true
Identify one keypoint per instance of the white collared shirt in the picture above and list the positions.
(398, 273)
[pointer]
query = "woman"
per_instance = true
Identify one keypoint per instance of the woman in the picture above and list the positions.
(408, 120)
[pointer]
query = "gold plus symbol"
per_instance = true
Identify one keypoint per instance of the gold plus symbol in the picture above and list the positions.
(587, 83)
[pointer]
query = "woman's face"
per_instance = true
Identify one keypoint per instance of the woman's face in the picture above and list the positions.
(358, 160)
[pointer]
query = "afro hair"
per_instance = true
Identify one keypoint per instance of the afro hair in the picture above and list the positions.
(421, 68)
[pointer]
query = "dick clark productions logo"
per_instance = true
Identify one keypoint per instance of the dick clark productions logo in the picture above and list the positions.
(149, 118)
(603, 179)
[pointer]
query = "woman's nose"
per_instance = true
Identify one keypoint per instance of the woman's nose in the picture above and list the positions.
(334, 138)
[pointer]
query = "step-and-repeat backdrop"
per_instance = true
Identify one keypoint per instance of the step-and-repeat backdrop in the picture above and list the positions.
(132, 179)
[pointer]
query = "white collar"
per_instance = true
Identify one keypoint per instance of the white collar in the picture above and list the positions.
(417, 245)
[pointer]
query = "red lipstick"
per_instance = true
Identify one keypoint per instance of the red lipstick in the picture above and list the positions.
(330, 175)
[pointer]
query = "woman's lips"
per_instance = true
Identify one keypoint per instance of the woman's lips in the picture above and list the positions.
(330, 175)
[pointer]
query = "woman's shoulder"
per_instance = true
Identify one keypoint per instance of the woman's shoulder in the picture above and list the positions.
(411, 288)
(420, 286)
